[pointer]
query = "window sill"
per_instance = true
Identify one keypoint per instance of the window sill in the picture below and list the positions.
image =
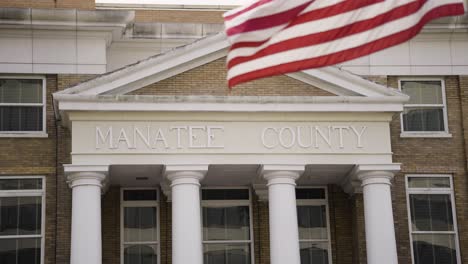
(24, 135)
(425, 135)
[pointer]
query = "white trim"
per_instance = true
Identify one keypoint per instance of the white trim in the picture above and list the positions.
(448, 191)
(31, 193)
(426, 134)
(42, 133)
(318, 202)
(244, 202)
(156, 204)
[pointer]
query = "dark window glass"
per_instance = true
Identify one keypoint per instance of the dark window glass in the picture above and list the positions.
(226, 223)
(423, 92)
(434, 249)
(21, 118)
(20, 251)
(314, 252)
(20, 216)
(140, 254)
(225, 194)
(226, 253)
(20, 184)
(431, 212)
(140, 195)
(140, 224)
(423, 119)
(310, 193)
(312, 221)
(17, 91)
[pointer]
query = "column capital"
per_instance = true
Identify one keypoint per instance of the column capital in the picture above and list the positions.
(281, 174)
(185, 174)
(84, 178)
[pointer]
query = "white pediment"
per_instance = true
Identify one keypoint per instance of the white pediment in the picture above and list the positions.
(179, 60)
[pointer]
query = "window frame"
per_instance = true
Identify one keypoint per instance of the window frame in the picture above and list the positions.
(43, 132)
(124, 204)
(230, 203)
(306, 202)
(29, 193)
(449, 191)
(426, 134)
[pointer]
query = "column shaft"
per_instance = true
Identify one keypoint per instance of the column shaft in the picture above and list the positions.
(86, 244)
(378, 214)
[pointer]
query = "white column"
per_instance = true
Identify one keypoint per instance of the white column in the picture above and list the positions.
(86, 244)
(284, 233)
(378, 217)
(186, 215)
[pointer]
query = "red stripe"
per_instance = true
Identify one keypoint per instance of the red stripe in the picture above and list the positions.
(321, 13)
(255, 5)
(267, 21)
(333, 10)
(326, 36)
(346, 55)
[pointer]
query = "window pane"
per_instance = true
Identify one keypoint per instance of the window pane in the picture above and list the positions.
(226, 253)
(434, 249)
(140, 224)
(225, 194)
(423, 119)
(140, 254)
(428, 182)
(431, 212)
(20, 184)
(310, 193)
(314, 252)
(423, 92)
(25, 250)
(140, 195)
(21, 118)
(226, 223)
(20, 91)
(312, 222)
(20, 216)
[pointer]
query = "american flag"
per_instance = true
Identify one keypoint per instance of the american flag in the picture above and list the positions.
(271, 37)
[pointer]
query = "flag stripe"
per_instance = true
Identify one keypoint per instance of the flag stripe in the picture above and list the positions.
(230, 15)
(326, 32)
(336, 33)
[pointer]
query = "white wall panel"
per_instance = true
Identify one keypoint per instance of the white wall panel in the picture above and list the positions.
(91, 51)
(54, 50)
(398, 55)
(15, 50)
(430, 53)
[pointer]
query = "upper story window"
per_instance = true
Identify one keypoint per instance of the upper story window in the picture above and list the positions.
(227, 226)
(313, 221)
(140, 234)
(426, 111)
(21, 220)
(22, 104)
(432, 219)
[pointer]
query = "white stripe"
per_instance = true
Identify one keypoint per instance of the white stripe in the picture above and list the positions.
(336, 45)
(323, 25)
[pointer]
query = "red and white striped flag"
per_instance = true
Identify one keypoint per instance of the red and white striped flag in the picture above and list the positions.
(272, 37)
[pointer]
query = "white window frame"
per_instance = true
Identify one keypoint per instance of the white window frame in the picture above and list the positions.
(43, 132)
(426, 134)
(124, 204)
(449, 191)
(318, 202)
(231, 203)
(29, 193)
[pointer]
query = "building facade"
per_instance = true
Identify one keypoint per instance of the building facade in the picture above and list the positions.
(121, 143)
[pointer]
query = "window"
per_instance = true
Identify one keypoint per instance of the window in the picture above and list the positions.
(22, 105)
(21, 220)
(140, 226)
(227, 226)
(432, 221)
(313, 221)
(425, 112)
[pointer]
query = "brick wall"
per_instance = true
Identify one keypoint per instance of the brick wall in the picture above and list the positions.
(78, 4)
(210, 79)
(178, 16)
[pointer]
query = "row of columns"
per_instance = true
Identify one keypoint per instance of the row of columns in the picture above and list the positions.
(86, 244)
